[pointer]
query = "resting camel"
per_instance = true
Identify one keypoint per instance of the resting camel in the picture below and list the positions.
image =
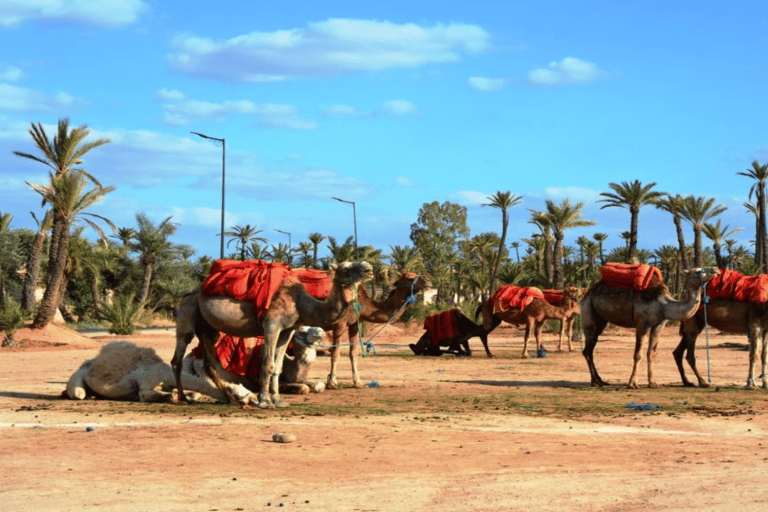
(125, 371)
(290, 307)
(390, 309)
(458, 345)
(731, 316)
(533, 317)
(647, 311)
(294, 379)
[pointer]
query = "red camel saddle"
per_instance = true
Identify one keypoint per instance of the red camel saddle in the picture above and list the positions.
(512, 297)
(631, 276)
(237, 355)
(730, 284)
(441, 326)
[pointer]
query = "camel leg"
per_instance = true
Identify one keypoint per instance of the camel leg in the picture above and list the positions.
(640, 332)
(569, 333)
(339, 332)
(274, 383)
(183, 339)
(76, 386)
(591, 332)
(763, 355)
(753, 346)
(525, 340)
(538, 329)
(267, 364)
(354, 354)
(653, 341)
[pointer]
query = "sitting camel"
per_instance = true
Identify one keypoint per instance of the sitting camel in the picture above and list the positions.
(403, 292)
(294, 379)
(533, 316)
(456, 338)
(731, 316)
(291, 306)
(647, 311)
(125, 371)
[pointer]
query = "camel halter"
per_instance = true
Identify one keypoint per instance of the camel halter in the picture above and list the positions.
(368, 345)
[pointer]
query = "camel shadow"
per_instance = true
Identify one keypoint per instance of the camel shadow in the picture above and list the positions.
(523, 383)
(30, 396)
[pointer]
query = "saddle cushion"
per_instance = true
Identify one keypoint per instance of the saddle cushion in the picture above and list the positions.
(631, 276)
(237, 355)
(512, 297)
(441, 326)
(729, 284)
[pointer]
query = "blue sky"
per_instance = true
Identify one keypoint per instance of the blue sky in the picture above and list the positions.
(390, 106)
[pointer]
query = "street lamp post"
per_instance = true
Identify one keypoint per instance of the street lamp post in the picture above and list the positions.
(289, 243)
(223, 174)
(354, 218)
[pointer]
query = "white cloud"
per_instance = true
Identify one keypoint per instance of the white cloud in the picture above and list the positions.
(470, 197)
(573, 193)
(343, 110)
(483, 84)
(180, 111)
(10, 74)
(398, 107)
(402, 181)
(325, 48)
(113, 13)
(22, 99)
(394, 108)
(569, 71)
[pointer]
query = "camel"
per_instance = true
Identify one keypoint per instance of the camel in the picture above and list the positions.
(533, 317)
(403, 292)
(458, 345)
(569, 306)
(647, 311)
(731, 316)
(124, 371)
(290, 307)
(294, 379)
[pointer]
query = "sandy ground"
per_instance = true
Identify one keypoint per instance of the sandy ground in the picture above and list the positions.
(463, 434)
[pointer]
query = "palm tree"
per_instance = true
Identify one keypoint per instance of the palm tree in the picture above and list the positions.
(405, 259)
(280, 253)
(674, 205)
(544, 223)
(316, 239)
(698, 211)
(61, 154)
(68, 199)
(759, 173)
(303, 249)
(600, 238)
(243, 235)
(633, 196)
(563, 216)
(32, 265)
(503, 201)
(255, 252)
(343, 252)
(151, 242)
(516, 246)
(5, 223)
(718, 234)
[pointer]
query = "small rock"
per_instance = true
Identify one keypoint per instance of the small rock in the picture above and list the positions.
(283, 438)
(89, 429)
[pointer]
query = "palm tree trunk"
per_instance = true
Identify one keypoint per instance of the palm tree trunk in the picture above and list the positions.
(56, 267)
(33, 273)
(558, 277)
(681, 243)
(495, 269)
(633, 234)
(145, 282)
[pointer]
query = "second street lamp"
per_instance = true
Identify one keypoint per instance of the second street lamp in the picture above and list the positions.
(354, 218)
(223, 167)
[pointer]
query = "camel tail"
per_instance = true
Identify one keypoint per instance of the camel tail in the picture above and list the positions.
(478, 310)
(76, 388)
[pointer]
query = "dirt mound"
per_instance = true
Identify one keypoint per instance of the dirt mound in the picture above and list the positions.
(50, 336)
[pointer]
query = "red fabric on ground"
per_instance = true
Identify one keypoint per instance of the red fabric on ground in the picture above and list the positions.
(514, 297)
(631, 276)
(554, 297)
(237, 355)
(441, 326)
(317, 282)
(730, 284)
(253, 281)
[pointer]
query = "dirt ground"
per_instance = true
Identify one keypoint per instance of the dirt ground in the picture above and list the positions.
(463, 434)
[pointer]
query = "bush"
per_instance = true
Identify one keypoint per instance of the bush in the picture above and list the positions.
(12, 317)
(122, 314)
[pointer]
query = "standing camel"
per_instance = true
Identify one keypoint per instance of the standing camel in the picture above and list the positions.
(291, 306)
(532, 316)
(568, 307)
(647, 311)
(404, 291)
(731, 316)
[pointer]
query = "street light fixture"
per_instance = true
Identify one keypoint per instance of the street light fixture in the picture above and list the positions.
(354, 218)
(289, 242)
(223, 167)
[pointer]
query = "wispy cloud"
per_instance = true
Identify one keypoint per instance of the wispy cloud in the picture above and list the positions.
(14, 98)
(394, 108)
(113, 13)
(325, 48)
(469, 197)
(180, 111)
(483, 84)
(569, 71)
(10, 73)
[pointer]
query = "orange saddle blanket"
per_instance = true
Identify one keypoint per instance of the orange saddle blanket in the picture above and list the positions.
(441, 326)
(511, 297)
(237, 355)
(554, 297)
(730, 284)
(631, 276)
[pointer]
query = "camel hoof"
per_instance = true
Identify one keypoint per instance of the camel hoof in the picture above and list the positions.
(653, 385)
(525, 355)
(265, 405)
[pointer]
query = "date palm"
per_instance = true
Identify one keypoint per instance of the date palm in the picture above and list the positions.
(503, 201)
(315, 239)
(633, 196)
(562, 217)
(674, 205)
(243, 235)
(600, 238)
(718, 234)
(698, 211)
(151, 243)
(405, 259)
(544, 223)
(5, 222)
(759, 173)
(62, 154)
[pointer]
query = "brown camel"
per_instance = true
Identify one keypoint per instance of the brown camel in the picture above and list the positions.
(731, 316)
(569, 307)
(533, 317)
(390, 309)
(647, 311)
(290, 307)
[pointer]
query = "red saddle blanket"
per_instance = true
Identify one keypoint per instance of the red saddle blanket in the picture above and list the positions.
(257, 281)
(631, 276)
(730, 284)
(554, 297)
(237, 355)
(441, 326)
(511, 297)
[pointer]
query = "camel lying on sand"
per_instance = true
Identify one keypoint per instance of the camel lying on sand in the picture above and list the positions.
(294, 379)
(124, 371)
(458, 345)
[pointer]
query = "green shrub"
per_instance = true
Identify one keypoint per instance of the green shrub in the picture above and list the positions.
(122, 314)
(12, 317)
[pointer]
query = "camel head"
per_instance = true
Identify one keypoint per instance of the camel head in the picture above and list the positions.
(699, 276)
(413, 281)
(309, 336)
(349, 275)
